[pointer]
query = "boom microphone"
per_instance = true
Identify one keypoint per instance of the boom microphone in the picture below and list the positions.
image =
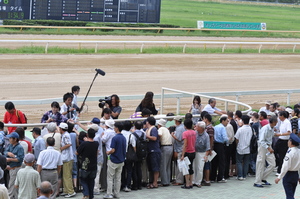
(99, 71)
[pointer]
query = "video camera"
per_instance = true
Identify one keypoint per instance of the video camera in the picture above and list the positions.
(104, 101)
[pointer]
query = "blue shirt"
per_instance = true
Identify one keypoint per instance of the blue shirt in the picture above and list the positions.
(118, 143)
(18, 151)
(38, 145)
(220, 134)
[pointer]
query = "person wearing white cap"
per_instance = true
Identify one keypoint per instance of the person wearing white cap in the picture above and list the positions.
(106, 137)
(166, 152)
(290, 167)
(67, 158)
(28, 180)
(266, 108)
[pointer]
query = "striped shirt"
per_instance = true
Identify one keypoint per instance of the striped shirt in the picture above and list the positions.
(244, 135)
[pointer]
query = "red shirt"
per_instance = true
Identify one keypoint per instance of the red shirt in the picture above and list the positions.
(190, 135)
(12, 118)
(264, 122)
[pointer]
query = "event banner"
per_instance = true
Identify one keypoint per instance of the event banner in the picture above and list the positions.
(231, 25)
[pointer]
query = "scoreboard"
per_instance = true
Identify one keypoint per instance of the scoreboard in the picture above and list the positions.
(130, 11)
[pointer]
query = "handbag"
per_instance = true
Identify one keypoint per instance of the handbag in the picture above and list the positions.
(131, 154)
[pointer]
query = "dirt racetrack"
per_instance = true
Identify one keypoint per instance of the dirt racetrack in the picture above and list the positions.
(50, 76)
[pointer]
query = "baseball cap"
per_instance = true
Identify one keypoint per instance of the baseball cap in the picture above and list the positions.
(63, 126)
(36, 130)
(223, 115)
(271, 114)
(110, 123)
(13, 135)
(95, 120)
(294, 137)
(29, 158)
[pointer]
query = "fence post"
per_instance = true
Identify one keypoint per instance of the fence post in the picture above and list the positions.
(46, 48)
(183, 51)
(96, 48)
(141, 50)
(259, 48)
(223, 49)
(236, 105)
(178, 106)
(162, 101)
(294, 48)
(226, 106)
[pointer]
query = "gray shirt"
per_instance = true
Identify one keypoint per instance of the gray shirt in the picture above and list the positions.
(265, 136)
(178, 134)
(202, 142)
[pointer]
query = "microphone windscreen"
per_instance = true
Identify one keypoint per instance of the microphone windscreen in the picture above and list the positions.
(99, 71)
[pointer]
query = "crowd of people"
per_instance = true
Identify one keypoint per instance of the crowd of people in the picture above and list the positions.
(108, 156)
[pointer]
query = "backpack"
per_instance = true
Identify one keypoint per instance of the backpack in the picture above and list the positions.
(141, 146)
(18, 115)
(253, 143)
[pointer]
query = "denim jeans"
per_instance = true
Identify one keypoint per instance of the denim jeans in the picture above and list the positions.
(87, 179)
(242, 162)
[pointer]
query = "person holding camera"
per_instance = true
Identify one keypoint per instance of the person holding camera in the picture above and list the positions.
(112, 102)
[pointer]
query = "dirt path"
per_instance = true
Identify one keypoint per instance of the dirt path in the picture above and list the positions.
(50, 76)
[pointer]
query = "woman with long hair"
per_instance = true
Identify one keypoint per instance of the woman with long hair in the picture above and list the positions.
(147, 102)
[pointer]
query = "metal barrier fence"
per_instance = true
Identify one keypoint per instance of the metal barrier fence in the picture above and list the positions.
(143, 43)
(177, 95)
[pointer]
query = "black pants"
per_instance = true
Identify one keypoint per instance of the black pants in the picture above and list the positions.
(230, 154)
(281, 148)
(191, 157)
(290, 181)
(137, 174)
(218, 163)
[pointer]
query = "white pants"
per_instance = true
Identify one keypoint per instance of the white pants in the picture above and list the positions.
(114, 172)
(198, 166)
(261, 171)
(97, 179)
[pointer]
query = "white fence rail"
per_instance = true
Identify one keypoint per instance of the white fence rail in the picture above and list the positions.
(178, 95)
(143, 43)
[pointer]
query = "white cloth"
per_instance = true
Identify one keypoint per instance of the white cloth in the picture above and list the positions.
(66, 154)
(49, 158)
(264, 109)
(127, 135)
(165, 136)
(244, 135)
(210, 110)
(107, 137)
(285, 126)
(290, 162)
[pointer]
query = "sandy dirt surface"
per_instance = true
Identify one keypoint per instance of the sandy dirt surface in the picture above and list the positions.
(50, 76)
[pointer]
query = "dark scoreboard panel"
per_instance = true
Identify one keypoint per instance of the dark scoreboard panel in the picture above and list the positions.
(132, 11)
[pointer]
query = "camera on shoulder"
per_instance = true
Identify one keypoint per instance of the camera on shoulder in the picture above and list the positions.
(104, 101)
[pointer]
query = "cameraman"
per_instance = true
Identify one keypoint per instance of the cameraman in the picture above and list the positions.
(113, 105)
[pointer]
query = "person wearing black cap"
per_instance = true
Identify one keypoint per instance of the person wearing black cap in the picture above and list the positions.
(39, 143)
(290, 167)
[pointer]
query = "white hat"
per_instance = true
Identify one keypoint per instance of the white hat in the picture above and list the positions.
(162, 122)
(223, 115)
(271, 114)
(63, 126)
(268, 102)
(289, 110)
(94, 126)
(110, 123)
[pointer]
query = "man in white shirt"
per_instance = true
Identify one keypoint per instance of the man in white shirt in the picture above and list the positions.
(266, 108)
(211, 108)
(243, 138)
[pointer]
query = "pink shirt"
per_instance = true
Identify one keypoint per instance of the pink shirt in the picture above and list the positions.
(264, 122)
(190, 135)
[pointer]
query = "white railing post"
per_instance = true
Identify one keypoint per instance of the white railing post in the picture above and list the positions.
(96, 48)
(142, 46)
(236, 105)
(178, 106)
(46, 48)
(226, 106)
(183, 51)
(162, 101)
